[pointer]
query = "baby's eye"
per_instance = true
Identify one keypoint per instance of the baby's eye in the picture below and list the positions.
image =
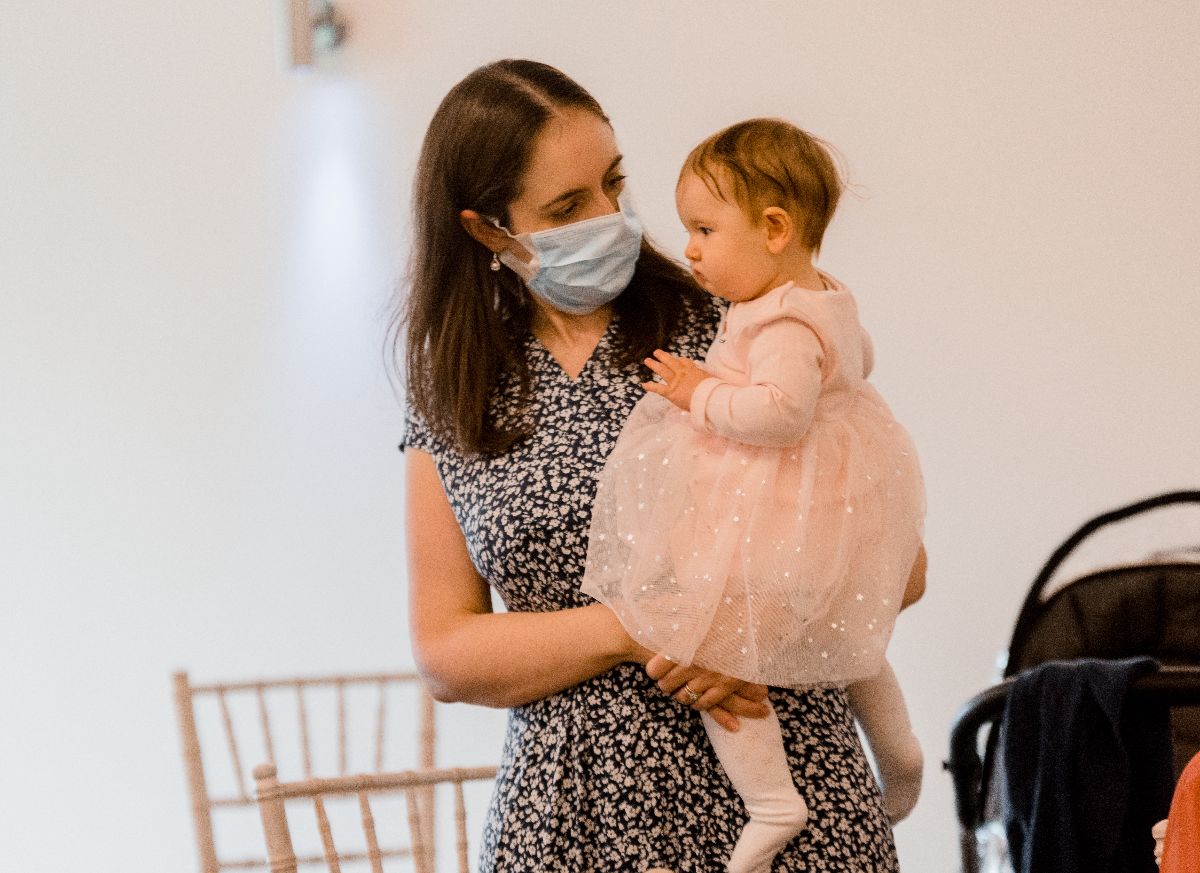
(704, 231)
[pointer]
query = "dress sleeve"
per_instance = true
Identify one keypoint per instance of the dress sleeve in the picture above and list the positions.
(415, 432)
(774, 409)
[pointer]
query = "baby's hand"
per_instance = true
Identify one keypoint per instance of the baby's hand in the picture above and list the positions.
(680, 377)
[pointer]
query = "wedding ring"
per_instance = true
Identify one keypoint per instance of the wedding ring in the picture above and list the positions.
(692, 696)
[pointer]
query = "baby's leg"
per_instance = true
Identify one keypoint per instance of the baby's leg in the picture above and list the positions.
(879, 705)
(756, 763)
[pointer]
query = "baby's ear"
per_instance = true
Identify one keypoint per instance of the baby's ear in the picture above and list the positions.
(779, 227)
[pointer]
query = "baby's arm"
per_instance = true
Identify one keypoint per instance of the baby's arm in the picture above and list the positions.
(784, 372)
(783, 363)
(879, 706)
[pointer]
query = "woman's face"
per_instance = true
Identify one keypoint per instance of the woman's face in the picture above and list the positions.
(574, 174)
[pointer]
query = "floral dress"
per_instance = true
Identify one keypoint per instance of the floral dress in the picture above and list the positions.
(612, 775)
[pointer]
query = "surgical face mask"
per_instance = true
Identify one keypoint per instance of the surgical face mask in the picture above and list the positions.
(580, 267)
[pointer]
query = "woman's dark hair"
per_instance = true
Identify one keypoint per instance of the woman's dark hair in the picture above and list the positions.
(462, 325)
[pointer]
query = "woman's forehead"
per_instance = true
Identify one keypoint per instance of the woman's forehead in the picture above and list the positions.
(575, 149)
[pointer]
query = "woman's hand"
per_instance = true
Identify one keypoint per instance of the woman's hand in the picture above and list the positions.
(724, 698)
(680, 377)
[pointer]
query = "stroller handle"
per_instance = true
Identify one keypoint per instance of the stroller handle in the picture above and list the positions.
(1033, 598)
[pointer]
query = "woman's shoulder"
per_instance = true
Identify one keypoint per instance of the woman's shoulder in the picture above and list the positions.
(416, 432)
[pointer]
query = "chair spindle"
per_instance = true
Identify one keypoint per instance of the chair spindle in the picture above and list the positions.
(265, 721)
(331, 855)
(368, 820)
(305, 745)
(234, 757)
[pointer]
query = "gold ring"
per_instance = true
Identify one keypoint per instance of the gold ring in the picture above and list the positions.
(692, 696)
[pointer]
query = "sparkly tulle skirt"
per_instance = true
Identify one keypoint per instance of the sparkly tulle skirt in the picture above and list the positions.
(784, 566)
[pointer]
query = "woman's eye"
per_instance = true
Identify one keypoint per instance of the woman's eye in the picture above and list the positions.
(567, 211)
(615, 181)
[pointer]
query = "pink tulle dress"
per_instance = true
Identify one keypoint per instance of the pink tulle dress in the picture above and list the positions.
(768, 533)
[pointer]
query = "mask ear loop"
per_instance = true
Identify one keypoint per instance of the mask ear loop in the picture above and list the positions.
(495, 222)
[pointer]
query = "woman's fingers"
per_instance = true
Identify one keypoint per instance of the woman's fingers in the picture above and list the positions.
(745, 707)
(724, 718)
(725, 698)
(659, 666)
(753, 692)
(713, 696)
(677, 677)
(730, 713)
(741, 698)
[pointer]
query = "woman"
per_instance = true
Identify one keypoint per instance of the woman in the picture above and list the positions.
(523, 343)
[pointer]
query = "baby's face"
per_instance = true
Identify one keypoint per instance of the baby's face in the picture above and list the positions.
(727, 251)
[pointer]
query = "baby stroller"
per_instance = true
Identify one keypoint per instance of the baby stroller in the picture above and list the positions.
(1147, 608)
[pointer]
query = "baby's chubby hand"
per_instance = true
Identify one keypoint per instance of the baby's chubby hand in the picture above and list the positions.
(680, 376)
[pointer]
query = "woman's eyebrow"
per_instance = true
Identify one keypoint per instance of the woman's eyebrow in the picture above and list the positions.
(567, 195)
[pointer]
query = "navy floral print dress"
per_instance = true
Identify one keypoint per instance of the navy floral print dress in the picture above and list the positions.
(612, 775)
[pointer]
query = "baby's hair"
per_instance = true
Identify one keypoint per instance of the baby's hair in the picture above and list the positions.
(771, 162)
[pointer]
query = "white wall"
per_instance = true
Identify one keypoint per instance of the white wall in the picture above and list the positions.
(197, 454)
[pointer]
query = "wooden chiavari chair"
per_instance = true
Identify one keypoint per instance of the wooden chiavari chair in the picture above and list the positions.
(264, 698)
(415, 785)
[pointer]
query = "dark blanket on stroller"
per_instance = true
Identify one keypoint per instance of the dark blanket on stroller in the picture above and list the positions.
(1087, 776)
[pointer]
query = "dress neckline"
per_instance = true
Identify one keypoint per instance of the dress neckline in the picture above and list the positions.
(602, 343)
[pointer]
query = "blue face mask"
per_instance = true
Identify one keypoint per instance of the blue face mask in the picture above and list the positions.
(580, 267)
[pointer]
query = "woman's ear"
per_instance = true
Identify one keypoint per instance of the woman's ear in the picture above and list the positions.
(485, 233)
(780, 228)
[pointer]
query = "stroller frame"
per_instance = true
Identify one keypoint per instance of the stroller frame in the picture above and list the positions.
(971, 772)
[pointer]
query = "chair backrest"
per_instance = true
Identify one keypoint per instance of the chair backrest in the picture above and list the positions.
(309, 721)
(416, 786)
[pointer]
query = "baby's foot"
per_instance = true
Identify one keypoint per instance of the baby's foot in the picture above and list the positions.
(767, 832)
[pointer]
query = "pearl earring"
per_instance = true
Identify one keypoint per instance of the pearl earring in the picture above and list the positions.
(495, 262)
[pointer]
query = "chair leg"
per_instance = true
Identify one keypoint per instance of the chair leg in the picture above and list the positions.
(280, 853)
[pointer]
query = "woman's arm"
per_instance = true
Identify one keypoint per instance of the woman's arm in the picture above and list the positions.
(914, 589)
(466, 653)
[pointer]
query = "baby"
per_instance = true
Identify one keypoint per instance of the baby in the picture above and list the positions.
(761, 515)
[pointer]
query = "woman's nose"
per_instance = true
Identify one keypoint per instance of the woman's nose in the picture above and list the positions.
(609, 199)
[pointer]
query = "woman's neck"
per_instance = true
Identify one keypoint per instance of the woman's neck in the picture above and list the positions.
(570, 339)
(557, 328)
